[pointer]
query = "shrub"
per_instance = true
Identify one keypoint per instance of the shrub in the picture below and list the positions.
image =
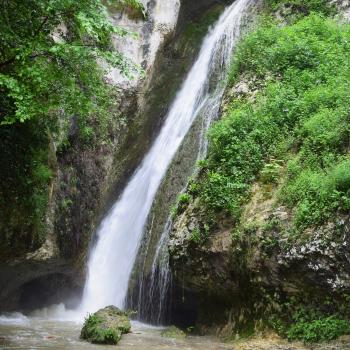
(196, 236)
(302, 7)
(184, 199)
(317, 194)
(199, 235)
(318, 330)
(181, 203)
(271, 172)
(341, 176)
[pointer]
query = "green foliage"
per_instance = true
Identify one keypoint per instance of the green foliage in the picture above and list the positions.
(271, 172)
(183, 199)
(136, 9)
(25, 175)
(239, 144)
(52, 92)
(94, 331)
(323, 329)
(309, 318)
(297, 8)
(199, 234)
(300, 117)
(196, 236)
(181, 204)
(298, 48)
(48, 58)
(316, 195)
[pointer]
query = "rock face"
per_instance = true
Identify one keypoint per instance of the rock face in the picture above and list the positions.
(106, 326)
(241, 277)
(343, 7)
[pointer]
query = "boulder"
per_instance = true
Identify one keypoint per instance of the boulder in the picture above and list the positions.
(106, 326)
(173, 333)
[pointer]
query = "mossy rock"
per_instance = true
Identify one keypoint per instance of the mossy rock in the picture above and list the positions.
(174, 333)
(106, 326)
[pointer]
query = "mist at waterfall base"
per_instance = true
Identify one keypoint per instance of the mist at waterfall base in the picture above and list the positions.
(119, 236)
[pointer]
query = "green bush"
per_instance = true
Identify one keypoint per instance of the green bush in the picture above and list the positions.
(316, 195)
(183, 199)
(271, 172)
(306, 47)
(311, 318)
(199, 235)
(341, 176)
(181, 203)
(302, 7)
(318, 330)
(196, 236)
(239, 144)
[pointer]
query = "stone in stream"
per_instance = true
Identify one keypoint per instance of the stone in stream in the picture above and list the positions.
(106, 326)
(174, 333)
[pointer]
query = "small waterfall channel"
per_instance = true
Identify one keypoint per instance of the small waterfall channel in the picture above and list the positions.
(119, 235)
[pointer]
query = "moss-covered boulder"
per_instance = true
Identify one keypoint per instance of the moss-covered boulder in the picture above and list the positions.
(174, 333)
(105, 326)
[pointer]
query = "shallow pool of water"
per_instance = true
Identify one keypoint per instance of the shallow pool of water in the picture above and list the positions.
(38, 332)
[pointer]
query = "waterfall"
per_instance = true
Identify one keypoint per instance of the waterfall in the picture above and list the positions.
(119, 235)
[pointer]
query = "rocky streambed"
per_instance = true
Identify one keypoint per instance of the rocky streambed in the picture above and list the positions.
(22, 333)
(42, 331)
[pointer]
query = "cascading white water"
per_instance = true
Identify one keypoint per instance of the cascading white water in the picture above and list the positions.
(120, 233)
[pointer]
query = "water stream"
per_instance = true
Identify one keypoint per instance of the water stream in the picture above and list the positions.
(120, 233)
(46, 332)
